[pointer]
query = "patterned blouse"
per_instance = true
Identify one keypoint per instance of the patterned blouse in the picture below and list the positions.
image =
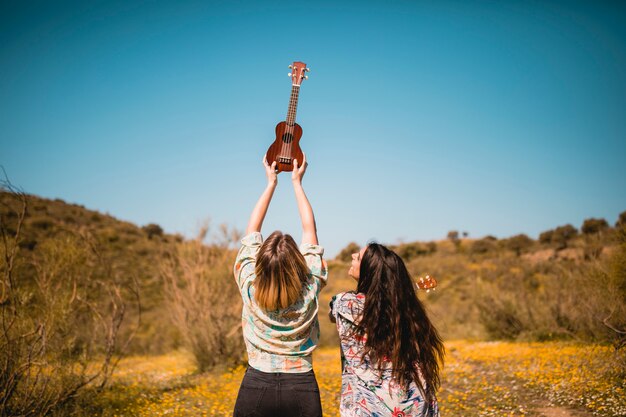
(365, 392)
(280, 340)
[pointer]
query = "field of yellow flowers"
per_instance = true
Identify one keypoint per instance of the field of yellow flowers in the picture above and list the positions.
(479, 379)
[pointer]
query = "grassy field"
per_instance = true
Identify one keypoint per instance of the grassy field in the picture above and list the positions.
(480, 379)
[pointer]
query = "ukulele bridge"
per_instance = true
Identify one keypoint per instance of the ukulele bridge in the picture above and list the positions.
(284, 160)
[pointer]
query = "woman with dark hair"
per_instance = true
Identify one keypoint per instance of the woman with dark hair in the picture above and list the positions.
(280, 283)
(390, 350)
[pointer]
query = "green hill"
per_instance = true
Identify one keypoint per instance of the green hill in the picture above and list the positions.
(488, 288)
(119, 251)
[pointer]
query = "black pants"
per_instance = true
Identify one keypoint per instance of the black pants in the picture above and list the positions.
(278, 395)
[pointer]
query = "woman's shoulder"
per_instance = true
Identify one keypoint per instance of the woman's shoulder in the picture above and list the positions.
(348, 304)
(349, 296)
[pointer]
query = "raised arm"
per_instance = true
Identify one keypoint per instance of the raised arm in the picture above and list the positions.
(309, 230)
(260, 209)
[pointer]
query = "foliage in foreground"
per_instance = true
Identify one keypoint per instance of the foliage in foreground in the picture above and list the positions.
(59, 330)
(203, 300)
(479, 379)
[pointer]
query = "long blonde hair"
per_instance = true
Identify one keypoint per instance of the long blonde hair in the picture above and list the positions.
(280, 272)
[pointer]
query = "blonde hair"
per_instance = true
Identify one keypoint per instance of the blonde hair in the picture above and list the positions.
(280, 272)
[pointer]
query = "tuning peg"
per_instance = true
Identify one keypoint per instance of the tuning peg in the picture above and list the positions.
(290, 67)
(289, 74)
(306, 77)
(307, 69)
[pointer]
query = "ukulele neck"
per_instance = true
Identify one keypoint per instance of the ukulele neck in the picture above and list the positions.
(293, 105)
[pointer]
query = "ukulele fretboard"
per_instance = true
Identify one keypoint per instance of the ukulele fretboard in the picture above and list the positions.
(293, 105)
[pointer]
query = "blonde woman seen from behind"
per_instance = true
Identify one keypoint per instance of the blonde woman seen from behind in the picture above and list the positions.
(280, 283)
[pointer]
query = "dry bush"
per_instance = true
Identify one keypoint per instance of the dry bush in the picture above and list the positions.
(60, 328)
(555, 299)
(204, 300)
(497, 295)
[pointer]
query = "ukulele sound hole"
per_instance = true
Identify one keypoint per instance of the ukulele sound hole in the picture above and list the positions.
(287, 137)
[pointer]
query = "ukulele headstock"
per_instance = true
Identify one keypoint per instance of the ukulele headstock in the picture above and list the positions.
(298, 73)
(426, 283)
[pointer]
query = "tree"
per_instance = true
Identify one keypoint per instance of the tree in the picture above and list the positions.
(562, 235)
(153, 229)
(621, 221)
(518, 243)
(594, 226)
(546, 237)
(346, 253)
(483, 245)
(453, 235)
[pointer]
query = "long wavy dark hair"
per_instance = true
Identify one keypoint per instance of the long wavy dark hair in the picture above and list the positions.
(396, 324)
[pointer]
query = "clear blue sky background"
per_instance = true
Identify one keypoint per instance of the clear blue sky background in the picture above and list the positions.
(419, 117)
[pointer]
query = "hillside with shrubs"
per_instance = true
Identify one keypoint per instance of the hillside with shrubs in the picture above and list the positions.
(570, 283)
(82, 289)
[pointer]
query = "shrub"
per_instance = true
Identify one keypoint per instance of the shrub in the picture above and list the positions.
(453, 236)
(346, 253)
(204, 302)
(432, 247)
(546, 237)
(42, 223)
(483, 245)
(562, 235)
(152, 230)
(621, 221)
(61, 332)
(594, 226)
(518, 243)
(500, 318)
(408, 251)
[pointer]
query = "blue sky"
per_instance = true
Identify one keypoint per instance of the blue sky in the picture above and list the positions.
(419, 117)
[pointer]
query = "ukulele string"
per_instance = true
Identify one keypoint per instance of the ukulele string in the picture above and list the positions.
(285, 144)
(289, 125)
(296, 90)
(282, 138)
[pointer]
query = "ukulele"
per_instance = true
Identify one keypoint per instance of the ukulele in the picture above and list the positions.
(286, 147)
(426, 283)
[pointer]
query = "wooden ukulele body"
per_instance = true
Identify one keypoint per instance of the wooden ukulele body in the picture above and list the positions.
(286, 147)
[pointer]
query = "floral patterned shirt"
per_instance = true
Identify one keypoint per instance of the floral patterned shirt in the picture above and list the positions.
(365, 391)
(281, 340)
